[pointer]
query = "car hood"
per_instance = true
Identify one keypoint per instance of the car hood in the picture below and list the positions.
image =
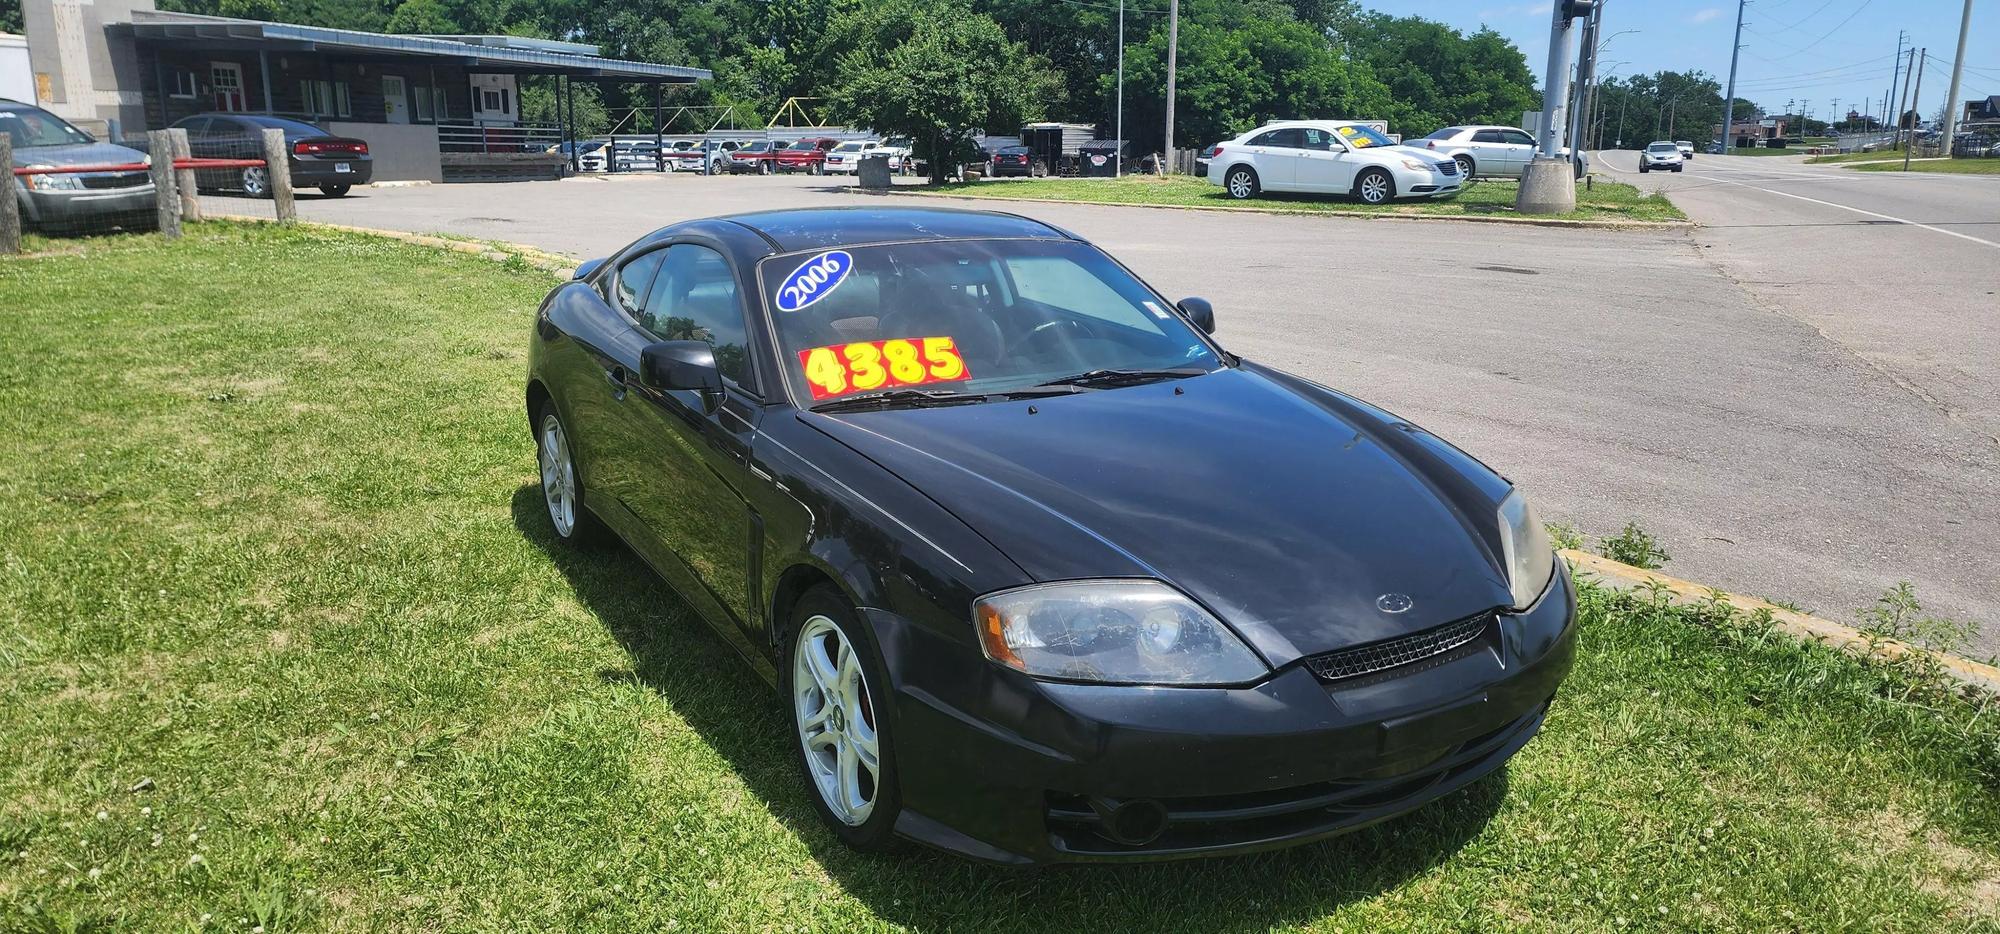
(77, 154)
(1288, 509)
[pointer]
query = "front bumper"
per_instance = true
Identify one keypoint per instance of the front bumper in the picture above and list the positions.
(1002, 768)
(1426, 183)
(87, 207)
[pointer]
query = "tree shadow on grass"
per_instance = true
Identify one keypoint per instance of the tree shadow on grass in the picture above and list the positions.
(716, 693)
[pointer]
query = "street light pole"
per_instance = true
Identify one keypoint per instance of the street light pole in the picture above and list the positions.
(1118, 160)
(1950, 127)
(1173, 48)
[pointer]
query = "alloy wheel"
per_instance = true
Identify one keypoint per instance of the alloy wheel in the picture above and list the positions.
(558, 476)
(835, 715)
(1374, 188)
(1464, 170)
(1240, 185)
(256, 181)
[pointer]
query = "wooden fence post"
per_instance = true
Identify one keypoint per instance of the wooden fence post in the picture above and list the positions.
(168, 203)
(278, 169)
(10, 207)
(184, 178)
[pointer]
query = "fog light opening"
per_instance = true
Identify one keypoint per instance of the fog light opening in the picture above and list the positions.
(1133, 823)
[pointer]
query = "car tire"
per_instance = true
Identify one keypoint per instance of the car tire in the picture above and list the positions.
(255, 182)
(763, 167)
(1240, 183)
(1466, 169)
(1642, 168)
(1677, 168)
(837, 715)
(561, 482)
(1374, 187)
(335, 191)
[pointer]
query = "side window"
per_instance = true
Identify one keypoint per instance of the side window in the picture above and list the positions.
(1488, 136)
(1266, 139)
(1317, 139)
(196, 127)
(1516, 137)
(694, 299)
(635, 278)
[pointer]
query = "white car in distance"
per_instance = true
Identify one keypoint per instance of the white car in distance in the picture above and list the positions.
(1329, 157)
(846, 157)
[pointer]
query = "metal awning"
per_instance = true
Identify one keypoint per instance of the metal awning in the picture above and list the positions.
(552, 58)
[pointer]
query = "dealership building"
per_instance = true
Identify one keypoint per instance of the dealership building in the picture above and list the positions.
(435, 108)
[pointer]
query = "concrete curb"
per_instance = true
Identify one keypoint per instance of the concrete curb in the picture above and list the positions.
(1353, 215)
(1802, 625)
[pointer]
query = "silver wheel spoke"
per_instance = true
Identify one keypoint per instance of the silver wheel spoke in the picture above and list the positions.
(830, 708)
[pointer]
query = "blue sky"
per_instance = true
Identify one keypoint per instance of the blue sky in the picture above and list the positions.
(1817, 50)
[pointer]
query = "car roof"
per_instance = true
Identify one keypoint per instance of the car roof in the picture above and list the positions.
(807, 228)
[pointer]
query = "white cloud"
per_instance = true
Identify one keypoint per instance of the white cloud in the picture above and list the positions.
(1703, 16)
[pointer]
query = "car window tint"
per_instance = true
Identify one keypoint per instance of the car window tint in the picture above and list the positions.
(1315, 138)
(30, 126)
(1489, 136)
(1266, 139)
(636, 278)
(1061, 283)
(196, 127)
(1517, 137)
(694, 299)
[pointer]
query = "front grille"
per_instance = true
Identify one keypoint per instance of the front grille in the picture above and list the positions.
(1448, 167)
(1403, 650)
(121, 180)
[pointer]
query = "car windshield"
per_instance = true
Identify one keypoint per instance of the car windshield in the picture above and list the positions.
(758, 146)
(31, 126)
(1446, 133)
(898, 142)
(848, 147)
(1015, 150)
(1663, 147)
(970, 316)
(806, 144)
(1361, 137)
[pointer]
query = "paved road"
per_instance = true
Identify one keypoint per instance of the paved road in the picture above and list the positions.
(1618, 376)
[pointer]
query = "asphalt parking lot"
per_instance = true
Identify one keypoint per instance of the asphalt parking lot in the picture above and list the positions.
(1799, 400)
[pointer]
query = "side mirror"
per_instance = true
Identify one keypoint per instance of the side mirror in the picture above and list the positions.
(1199, 311)
(585, 268)
(684, 365)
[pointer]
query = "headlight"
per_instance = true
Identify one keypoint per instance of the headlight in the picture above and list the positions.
(1116, 631)
(1415, 166)
(1524, 542)
(55, 181)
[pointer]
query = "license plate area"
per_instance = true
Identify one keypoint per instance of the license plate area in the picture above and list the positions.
(342, 167)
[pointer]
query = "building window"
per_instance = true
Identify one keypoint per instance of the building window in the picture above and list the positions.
(184, 85)
(431, 104)
(325, 98)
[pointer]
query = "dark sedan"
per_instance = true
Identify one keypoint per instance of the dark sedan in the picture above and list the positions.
(1015, 161)
(1042, 572)
(318, 159)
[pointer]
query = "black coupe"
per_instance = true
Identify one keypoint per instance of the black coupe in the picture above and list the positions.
(1043, 573)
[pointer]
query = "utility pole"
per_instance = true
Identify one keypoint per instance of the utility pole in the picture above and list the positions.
(1903, 101)
(1173, 48)
(1950, 127)
(1729, 103)
(1586, 70)
(1118, 160)
(1548, 184)
(1896, 74)
(1916, 104)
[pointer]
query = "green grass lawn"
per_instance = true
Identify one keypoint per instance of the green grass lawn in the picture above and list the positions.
(1949, 166)
(1603, 201)
(284, 641)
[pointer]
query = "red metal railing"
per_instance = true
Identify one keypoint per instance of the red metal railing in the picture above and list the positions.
(140, 166)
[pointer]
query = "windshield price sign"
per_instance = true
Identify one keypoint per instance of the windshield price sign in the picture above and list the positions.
(862, 366)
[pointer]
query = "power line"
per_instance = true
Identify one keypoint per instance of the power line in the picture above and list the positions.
(1808, 16)
(1829, 33)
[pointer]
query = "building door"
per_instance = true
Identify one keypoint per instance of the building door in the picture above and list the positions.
(395, 99)
(225, 81)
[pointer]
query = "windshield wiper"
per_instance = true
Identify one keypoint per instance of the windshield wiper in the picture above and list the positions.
(1108, 378)
(913, 398)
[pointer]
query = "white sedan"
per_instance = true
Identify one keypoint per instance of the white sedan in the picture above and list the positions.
(1329, 157)
(846, 157)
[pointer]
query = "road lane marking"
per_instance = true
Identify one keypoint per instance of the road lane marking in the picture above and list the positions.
(1886, 217)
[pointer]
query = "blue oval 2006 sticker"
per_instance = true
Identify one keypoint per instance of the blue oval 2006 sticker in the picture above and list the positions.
(815, 279)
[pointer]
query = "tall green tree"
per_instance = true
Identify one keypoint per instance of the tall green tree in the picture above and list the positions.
(1438, 76)
(10, 16)
(938, 72)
